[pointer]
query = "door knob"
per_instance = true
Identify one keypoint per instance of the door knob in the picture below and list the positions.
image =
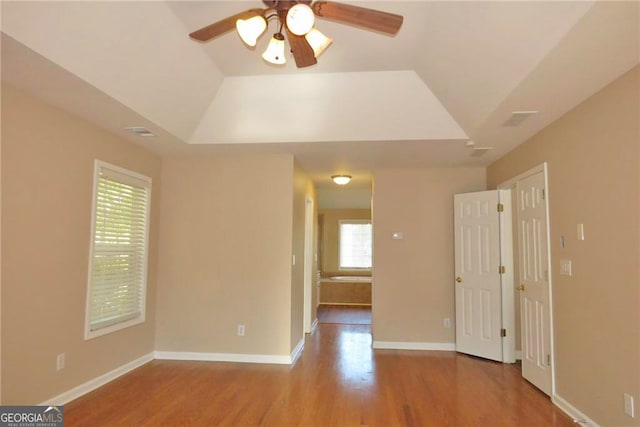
(459, 279)
(521, 287)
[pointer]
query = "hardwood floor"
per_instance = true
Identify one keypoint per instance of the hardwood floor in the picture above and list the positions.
(346, 314)
(338, 381)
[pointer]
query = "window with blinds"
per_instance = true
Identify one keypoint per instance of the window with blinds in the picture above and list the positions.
(355, 244)
(119, 241)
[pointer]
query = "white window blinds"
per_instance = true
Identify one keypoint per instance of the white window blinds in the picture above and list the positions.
(118, 267)
(355, 244)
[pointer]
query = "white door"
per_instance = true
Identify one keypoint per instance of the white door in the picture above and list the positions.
(477, 282)
(534, 282)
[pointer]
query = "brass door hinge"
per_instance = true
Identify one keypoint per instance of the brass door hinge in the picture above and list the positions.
(501, 269)
(500, 207)
(503, 332)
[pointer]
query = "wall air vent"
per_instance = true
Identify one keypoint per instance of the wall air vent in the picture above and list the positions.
(140, 131)
(517, 117)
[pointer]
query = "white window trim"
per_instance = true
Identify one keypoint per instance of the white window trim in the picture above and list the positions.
(136, 178)
(352, 221)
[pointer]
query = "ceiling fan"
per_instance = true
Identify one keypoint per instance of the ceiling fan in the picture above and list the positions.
(295, 18)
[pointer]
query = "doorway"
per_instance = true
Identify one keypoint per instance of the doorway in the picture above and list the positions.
(345, 246)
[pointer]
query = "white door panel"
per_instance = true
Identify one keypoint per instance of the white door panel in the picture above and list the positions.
(477, 285)
(534, 282)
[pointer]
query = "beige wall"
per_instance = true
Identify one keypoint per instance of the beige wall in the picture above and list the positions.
(413, 278)
(225, 255)
(47, 178)
(593, 159)
(330, 237)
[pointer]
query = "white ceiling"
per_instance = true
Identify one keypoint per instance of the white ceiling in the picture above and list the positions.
(455, 71)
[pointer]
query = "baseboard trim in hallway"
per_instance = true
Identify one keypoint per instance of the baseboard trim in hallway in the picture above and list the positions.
(396, 345)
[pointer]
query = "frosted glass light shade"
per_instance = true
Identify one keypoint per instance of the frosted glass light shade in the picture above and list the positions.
(300, 19)
(275, 51)
(318, 41)
(250, 29)
(341, 179)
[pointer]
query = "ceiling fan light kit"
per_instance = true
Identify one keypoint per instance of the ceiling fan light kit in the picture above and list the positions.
(250, 29)
(300, 19)
(275, 51)
(318, 41)
(297, 19)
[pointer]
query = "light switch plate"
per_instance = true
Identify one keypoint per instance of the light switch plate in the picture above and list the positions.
(397, 235)
(565, 267)
(580, 231)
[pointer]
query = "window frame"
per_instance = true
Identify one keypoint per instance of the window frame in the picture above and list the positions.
(353, 221)
(131, 178)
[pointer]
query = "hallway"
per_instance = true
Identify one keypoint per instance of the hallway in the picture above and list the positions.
(338, 381)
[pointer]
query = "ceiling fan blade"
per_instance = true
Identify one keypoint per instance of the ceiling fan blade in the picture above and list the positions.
(376, 20)
(302, 51)
(225, 25)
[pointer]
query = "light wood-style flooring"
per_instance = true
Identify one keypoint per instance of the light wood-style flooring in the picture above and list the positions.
(338, 381)
(345, 314)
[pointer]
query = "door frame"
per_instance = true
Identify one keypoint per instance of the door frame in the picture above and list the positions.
(506, 185)
(308, 266)
(507, 279)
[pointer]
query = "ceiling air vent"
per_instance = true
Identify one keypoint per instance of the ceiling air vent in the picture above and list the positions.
(140, 131)
(480, 151)
(517, 117)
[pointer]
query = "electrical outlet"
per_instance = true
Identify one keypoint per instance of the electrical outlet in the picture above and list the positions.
(240, 330)
(447, 323)
(629, 408)
(60, 361)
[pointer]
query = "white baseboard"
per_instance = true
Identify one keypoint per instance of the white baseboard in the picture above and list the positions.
(297, 351)
(223, 357)
(93, 384)
(314, 326)
(355, 304)
(578, 416)
(518, 354)
(396, 345)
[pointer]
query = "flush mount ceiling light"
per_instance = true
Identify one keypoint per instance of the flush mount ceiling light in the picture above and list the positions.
(341, 179)
(296, 20)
